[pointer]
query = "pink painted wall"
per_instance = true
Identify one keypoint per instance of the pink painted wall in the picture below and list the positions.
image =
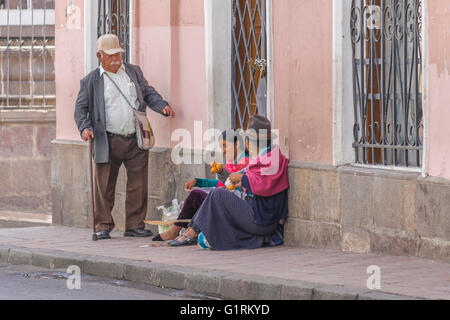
(153, 52)
(169, 46)
(69, 64)
(439, 85)
(303, 78)
(188, 64)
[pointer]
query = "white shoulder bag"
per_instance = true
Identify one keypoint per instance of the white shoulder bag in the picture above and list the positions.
(144, 132)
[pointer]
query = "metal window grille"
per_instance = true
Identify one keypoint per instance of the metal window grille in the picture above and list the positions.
(387, 82)
(113, 17)
(249, 54)
(27, 50)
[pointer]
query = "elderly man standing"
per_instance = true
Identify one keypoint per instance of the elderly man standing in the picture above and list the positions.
(102, 113)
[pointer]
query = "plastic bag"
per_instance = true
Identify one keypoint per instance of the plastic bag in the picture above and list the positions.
(170, 213)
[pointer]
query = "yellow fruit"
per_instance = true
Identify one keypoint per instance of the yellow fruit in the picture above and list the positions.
(214, 164)
(214, 170)
(219, 167)
(232, 188)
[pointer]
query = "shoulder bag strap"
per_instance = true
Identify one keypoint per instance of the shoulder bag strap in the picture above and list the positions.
(123, 95)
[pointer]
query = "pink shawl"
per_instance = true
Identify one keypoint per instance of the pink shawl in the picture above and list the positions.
(268, 174)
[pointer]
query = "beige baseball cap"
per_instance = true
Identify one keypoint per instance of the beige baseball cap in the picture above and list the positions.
(109, 44)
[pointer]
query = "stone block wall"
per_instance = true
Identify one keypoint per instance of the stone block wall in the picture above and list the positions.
(368, 210)
(71, 187)
(347, 208)
(25, 161)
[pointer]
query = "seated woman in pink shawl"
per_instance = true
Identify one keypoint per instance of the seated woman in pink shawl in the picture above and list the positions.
(226, 221)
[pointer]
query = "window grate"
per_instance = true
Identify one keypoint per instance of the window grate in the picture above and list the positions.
(114, 17)
(249, 54)
(27, 51)
(387, 82)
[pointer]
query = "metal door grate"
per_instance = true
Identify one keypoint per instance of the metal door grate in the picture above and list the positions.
(27, 51)
(249, 54)
(113, 17)
(387, 82)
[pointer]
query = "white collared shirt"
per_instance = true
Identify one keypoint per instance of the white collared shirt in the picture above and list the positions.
(119, 116)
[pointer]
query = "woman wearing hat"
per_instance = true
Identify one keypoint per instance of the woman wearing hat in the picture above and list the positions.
(227, 222)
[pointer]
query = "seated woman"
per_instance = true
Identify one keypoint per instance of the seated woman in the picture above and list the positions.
(225, 221)
(233, 149)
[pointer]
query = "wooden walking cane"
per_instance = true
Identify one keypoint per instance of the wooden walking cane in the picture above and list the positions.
(94, 209)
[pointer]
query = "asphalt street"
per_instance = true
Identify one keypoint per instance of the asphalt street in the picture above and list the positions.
(32, 283)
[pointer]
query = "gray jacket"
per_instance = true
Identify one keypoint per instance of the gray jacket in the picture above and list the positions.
(90, 106)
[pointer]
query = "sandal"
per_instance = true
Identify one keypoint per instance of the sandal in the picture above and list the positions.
(158, 238)
(187, 242)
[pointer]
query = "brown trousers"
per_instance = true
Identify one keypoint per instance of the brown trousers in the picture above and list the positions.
(126, 151)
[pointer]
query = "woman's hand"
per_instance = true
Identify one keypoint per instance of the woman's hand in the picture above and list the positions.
(236, 179)
(190, 184)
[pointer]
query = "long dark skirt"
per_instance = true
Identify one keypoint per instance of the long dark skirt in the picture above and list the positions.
(227, 222)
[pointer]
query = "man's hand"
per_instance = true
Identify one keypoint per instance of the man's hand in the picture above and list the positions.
(190, 184)
(87, 134)
(167, 111)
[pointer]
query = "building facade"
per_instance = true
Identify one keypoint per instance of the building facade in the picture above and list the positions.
(358, 90)
(27, 104)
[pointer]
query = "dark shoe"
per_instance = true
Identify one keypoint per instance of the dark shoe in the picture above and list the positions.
(158, 238)
(140, 233)
(101, 235)
(187, 242)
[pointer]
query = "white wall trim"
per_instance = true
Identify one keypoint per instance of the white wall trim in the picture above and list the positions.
(209, 60)
(270, 68)
(90, 35)
(388, 168)
(343, 152)
(131, 31)
(426, 88)
(218, 22)
(337, 82)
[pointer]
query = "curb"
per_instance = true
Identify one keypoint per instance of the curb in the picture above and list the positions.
(217, 284)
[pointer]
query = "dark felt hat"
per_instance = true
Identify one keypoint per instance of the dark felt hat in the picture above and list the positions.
(260, 128)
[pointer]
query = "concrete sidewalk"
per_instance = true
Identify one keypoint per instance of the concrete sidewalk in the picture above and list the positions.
(271, 273)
